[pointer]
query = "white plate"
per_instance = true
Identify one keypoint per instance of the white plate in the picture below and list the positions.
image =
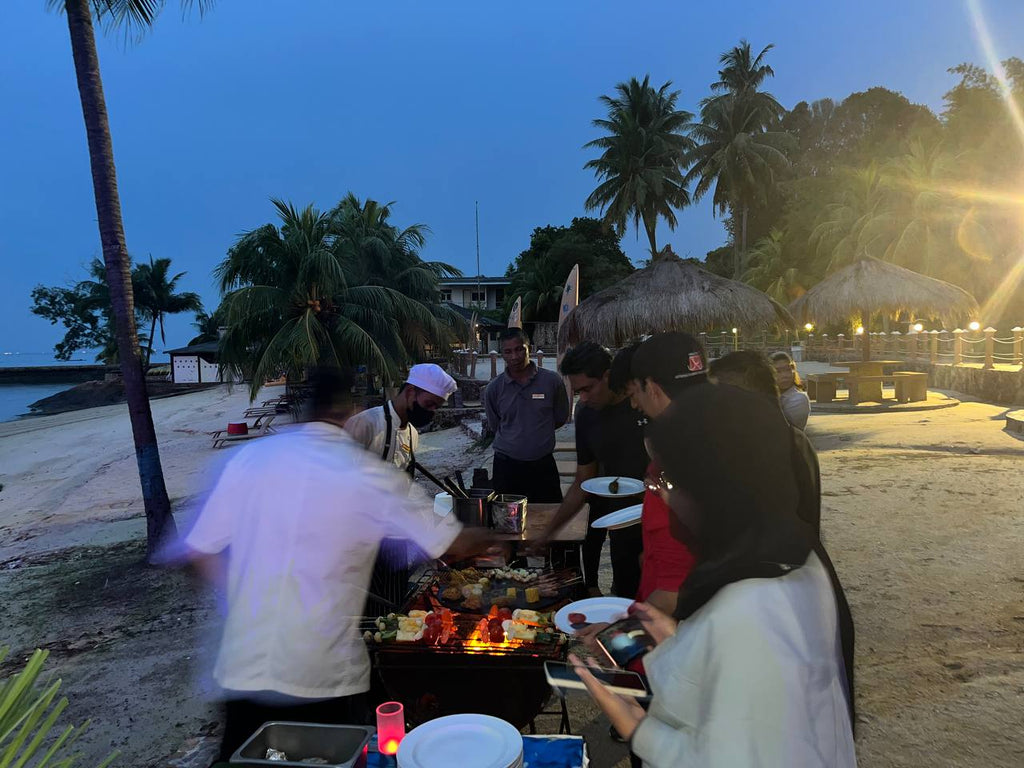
(446, 741)
(628, 486)
(622, 518)
(596, 609)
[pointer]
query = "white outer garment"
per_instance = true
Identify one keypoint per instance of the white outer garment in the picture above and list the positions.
(753, 678)
(303, 513)
(796, 407)
(369, 429)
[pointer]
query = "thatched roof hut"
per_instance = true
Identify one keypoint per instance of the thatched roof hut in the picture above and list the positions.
(670, 295)
(870, 286)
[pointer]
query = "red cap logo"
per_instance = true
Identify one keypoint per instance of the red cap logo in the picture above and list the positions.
(695, 363)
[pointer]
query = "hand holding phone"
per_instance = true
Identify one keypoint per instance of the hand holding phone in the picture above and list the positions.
(563, 677)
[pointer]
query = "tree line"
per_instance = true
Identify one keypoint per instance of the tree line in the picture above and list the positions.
(808, 190)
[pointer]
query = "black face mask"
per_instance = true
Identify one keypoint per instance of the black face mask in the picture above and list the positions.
(419, 416)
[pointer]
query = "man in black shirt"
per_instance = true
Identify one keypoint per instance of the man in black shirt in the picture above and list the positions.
(609, 442)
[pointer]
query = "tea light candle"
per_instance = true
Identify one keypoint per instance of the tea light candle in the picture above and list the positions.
(390, 727)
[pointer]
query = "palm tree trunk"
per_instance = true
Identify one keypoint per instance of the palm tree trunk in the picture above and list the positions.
(149, 347)
(742, 252)
(651, 227)
(159, 521)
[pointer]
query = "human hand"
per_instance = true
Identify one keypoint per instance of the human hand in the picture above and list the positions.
(624, 712)
(588, 635)
(657, 624)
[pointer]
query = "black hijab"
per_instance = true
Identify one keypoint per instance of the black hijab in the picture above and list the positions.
(731, 452)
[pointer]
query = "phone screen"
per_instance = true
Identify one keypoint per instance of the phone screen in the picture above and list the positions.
(625, 640)
(564, 675)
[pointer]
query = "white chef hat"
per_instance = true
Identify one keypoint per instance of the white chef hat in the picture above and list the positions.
(432, 378)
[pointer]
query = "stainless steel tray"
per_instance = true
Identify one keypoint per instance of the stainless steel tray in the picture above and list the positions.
(340, 745)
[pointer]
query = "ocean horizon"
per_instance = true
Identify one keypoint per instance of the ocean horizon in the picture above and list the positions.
(15, 399)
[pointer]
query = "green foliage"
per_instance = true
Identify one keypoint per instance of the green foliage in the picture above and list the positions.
(29, 720)
(156, 297)
(341, 287)
(539, 273)
(85, 311)
(640, 170)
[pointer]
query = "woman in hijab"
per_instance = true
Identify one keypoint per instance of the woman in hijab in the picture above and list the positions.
(755, 668)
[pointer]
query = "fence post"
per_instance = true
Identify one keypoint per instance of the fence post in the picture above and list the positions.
(1018, 338)
(462, 361)
(841, 344)
(472, 364)
(958, 346)
(494, 364)
(911, 343)
(990, 346)
(703, 337)
(540, 358)
(899, 346)
(724, 344)
(933, 351)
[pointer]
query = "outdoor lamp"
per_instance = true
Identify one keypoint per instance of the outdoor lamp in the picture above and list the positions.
(734, 330)
(809, 327)
(860, 330)
(918, 327)
(975, 325)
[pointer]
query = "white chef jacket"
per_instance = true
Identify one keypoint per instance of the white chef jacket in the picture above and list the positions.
(303, 513)
(369, 428)
(753, 678)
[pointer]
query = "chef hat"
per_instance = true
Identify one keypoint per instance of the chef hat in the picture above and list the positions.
(432, 378)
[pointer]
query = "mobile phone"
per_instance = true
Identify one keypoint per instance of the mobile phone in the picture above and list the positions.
(563, 677)
(625, 641)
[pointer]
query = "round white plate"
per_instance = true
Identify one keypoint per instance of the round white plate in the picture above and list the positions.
(627, 487)
(596, 609)
(446, 741)
(622, 518)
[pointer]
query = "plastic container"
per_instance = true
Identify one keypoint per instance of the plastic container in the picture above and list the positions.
(342, 746)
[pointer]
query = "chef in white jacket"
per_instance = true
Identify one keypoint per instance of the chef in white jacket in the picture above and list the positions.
(755, 668)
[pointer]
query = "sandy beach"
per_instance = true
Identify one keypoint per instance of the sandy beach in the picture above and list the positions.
(922, 517)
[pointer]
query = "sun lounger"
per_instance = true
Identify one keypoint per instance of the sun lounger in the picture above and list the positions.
(223, 439)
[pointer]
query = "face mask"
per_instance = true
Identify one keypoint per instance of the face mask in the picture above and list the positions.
(419, 416)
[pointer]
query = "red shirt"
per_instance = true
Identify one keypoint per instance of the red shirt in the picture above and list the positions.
(667, 561)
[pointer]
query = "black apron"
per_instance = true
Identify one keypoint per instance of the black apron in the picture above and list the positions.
(390, 577)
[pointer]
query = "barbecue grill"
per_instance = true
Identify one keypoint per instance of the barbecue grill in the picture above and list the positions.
(468, 673)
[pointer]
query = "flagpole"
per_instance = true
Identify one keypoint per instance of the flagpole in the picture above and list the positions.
(477, 204)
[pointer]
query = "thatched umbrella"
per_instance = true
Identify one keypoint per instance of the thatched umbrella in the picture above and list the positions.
(870, 286)
(669, 295)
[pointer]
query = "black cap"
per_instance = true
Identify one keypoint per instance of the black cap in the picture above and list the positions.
(670, 359)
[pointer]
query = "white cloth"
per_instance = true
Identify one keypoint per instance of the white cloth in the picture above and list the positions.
(753, 678)
(433, 379)
(796, 406)
(369, 428)
(303, 513)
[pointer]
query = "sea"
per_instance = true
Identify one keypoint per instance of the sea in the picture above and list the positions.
(15, 398)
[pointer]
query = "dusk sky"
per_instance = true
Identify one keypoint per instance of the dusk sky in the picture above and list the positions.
(433, 105)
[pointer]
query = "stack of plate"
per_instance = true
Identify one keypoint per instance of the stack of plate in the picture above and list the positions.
(447, 741)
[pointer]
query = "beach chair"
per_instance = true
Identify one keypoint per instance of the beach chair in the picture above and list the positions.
(256, 425)
(222, 439)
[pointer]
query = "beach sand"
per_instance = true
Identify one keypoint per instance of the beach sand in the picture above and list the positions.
(922, 515)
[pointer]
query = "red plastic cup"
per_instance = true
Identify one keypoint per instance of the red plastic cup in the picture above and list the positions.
(390, 727)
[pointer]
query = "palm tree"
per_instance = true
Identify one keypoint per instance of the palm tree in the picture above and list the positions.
(293, 301)
(858, 224)
(772, 270)
(140, 14)
(156, 297)
(640, 167)
(541, 290)
(737, 159)
(741, 77)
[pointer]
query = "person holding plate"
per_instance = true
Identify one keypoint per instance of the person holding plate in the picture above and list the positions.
(609, 443)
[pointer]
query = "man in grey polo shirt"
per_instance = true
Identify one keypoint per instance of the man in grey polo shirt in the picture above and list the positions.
(525, 405)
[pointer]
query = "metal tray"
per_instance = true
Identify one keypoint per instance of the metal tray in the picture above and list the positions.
(341, 745)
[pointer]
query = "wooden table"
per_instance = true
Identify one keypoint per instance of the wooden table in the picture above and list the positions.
(871, 390)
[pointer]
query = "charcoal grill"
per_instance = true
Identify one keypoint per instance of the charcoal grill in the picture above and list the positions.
(466, 674)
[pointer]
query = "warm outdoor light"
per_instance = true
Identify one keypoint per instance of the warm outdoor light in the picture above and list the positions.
(734, 330)
(918, 327)
(809, 327)
(390, 727)
(975, 326)
(860, 330)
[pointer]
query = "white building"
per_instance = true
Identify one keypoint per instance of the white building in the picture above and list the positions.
(196, 364)
(475, 292)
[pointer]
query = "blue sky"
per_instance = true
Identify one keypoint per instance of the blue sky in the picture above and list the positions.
(434, 105)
